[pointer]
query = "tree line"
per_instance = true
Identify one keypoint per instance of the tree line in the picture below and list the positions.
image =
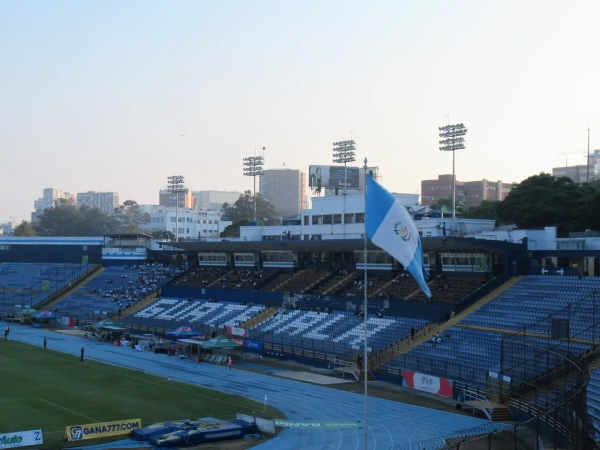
(67, 220)
(539, 201)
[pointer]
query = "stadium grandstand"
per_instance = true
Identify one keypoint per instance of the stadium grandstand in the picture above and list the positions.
(512, 330)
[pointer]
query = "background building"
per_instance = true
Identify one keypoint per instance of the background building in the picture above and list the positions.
(213, 200)
(468, 193)
(8, 228)
(433, 191)
(580, 173)
(185, 199)
(104, 201)
(285, 189)
(474, 192)
(192, 224)
(50, 198)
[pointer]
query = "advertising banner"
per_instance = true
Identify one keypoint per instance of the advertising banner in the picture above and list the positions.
(253, 345)
(21, 439)
(332, 177)
(313, 424)
(337, 175)
(101, 429)
(427, 383)
(237, 331)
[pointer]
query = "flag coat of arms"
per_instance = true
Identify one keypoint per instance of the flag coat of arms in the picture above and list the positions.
(389, 226)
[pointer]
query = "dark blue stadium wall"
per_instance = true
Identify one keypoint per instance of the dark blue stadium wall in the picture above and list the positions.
(430, 311)
(69, 253)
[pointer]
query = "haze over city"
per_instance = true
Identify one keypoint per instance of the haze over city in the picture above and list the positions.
(116, 96)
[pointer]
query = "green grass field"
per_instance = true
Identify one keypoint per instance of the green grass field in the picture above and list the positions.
(49, 390)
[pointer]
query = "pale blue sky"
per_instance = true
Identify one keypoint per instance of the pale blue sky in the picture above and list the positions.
(118, 95)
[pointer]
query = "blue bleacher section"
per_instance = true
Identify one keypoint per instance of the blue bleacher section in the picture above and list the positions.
(467, 355)
(27, 284)
(530, 302)
(529, 306)
(526, 357)
(206, 315)
(116, 288)
(593, 403)
(86, 306)
(335, 333)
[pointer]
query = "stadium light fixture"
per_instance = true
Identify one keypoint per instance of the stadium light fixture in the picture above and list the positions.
(253, 167)
(175, 185)
(452, 140)
(343, 152)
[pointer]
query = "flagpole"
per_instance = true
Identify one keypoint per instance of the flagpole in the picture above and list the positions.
(365, 361)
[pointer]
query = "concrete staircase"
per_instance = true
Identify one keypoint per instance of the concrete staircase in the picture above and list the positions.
(259, 318)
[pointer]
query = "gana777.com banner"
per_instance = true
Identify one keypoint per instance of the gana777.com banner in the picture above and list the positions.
(427, 383)
(101, 429)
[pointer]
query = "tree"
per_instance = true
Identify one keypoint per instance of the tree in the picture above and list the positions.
(62, 220)
(95, 222)
(242, 213)
(592, 216)
(233, 230)
(128, 217)
(441, 203)
(488, 209)
(544, 200)
(24, 229)
(67, 220)
(243, 208)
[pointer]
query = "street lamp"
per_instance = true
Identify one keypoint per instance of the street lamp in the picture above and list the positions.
(452, 140)
(253, 167)
(343, 152)
(175, 185)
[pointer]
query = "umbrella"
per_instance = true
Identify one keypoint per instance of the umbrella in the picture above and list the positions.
(220, 343)
(107, 324)
(184, 330)
(29, 311)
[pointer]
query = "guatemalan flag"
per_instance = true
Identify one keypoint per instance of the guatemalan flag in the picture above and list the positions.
(389, 226)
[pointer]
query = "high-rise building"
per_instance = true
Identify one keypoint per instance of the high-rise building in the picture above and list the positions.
(213, 200)
(433, 191)
(285, 189)
(183, 199)
(468, 193)
(104, 201)
(474, 192)
(50, 198)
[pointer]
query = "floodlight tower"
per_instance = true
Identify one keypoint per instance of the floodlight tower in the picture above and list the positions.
(343, 152)
(588, 159)
(452, 140)
(175, 185)
(253, 167)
